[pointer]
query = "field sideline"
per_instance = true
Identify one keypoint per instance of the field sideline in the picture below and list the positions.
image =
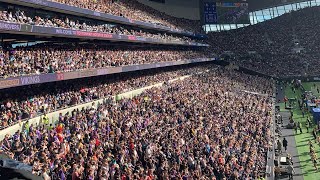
(309, 172)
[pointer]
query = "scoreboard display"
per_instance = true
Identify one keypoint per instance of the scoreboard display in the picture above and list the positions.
(226, 12)
(210, 13)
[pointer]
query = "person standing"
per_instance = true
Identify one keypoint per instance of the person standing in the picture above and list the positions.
(308, 119)
(285, 99)
(295, 126)
(45, 120)
(45, 174)
(307, 125)
(279, 145)
(300, 106)
(285, 144)
(314, 133)
(290, 171)
(300, 127)
(314, 160)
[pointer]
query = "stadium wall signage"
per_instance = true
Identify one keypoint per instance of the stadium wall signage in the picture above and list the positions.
(10, 26)
(60, 76)
(9, 83)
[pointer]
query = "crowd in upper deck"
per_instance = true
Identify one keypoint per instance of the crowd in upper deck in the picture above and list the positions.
(62, 21)
(132, 9)
(208, 126)
(284, 46)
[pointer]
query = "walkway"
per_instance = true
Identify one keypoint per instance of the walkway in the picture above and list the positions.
(289, 134)
(292, 147)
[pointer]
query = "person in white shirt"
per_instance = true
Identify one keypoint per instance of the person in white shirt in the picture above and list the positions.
(45, 174)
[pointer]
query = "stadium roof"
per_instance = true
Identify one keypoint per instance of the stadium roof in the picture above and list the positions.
(190, 8)
(258, 4)
(253, 4)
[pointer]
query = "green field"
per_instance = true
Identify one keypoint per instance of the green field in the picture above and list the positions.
(309, 172)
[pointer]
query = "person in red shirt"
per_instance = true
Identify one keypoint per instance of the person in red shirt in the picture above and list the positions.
(59, 129)
(149, 176)
(60, 137)
(131, 146)
(285, 101)
(97, 143)
(123, 177)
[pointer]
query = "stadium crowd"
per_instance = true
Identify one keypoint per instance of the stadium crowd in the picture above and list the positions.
(132, 9)
(21, 17)
(63, 58)
(284, 46)
(289, 65)
(34, 100)
(204, 127)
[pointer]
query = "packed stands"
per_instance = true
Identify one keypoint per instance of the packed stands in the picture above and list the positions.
(63, 58)
(283, 46)
(63, 21)
(214, 124)
(40, 98)
(132, 9)
(186, 129)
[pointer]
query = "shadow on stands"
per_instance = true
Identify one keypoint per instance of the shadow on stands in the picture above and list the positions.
(8, 174)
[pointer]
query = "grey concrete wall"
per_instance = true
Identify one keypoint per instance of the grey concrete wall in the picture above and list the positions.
(188, 9)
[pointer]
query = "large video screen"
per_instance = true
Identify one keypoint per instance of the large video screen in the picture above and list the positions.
(214, 12)
(233, 13)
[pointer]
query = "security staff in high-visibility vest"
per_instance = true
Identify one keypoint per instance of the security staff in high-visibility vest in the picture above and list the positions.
(45, 120)
(26, 127)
